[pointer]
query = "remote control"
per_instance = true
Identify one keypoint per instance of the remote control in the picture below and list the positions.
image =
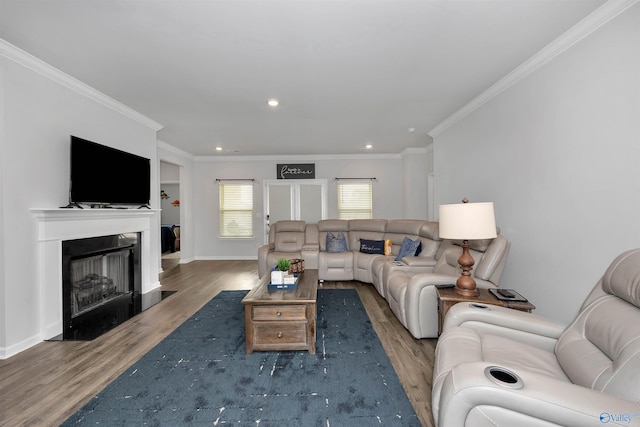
(507, 294)
(445, 286)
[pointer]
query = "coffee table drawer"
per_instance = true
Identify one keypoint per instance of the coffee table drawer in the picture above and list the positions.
(280, 334)
(280, 312)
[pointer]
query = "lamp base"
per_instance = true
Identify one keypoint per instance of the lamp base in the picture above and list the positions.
(466, 292)
(465, 285)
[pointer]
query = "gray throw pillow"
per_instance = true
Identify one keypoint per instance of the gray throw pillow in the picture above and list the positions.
(409, 248)
(336, 243)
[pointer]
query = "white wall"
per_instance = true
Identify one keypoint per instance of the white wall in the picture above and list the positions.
(388, 193)
(169, 173)
(415, 170)
(41, 108)
(558, 154)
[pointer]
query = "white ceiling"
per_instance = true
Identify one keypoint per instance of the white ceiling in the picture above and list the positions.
(346, 72)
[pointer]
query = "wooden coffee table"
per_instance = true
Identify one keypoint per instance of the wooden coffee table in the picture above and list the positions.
(282, 319)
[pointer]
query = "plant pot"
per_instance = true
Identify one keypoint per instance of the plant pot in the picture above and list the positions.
(277, 277)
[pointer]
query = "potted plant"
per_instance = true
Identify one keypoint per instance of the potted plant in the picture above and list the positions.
(283, 264)
(282, 267)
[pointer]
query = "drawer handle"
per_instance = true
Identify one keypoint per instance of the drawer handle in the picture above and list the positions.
(279, 334)
(279, 314)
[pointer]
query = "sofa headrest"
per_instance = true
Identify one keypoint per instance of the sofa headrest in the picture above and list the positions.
(290, 225)
(430, 230)
(622, 278)
(404, 226)
(489, 264)
(377, 225)
(333, 225)
(492, 262)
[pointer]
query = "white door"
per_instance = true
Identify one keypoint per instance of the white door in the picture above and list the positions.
(303, 199)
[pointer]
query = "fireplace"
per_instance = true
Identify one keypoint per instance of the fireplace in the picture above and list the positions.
(56, 226)
(101, 284)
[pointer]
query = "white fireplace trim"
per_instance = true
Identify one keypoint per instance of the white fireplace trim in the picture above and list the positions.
(58, 225)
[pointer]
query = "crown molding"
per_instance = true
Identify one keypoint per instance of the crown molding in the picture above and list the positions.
(414, 150)
(29, 61)
(291, 158)
(171, 149)
(578, 32)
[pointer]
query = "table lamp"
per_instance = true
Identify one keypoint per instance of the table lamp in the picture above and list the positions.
(467, 221)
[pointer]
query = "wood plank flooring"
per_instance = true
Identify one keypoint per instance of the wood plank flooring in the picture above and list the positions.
(45, 384)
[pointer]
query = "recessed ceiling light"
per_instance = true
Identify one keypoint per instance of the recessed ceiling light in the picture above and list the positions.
(218, 148)
(412, 130)
(273, 102)
(368, 146)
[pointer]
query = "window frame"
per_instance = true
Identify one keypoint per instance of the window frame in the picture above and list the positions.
(354, 211)
(243, 214)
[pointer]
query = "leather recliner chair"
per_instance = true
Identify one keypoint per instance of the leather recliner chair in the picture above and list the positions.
(413, 297)
(286, 240)
(495, 366)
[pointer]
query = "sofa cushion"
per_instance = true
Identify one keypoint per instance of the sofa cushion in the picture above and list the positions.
(409, 248)
(372, 246)
(336, 243)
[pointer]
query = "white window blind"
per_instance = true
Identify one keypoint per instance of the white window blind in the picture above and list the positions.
(354, 200)
(236, 209)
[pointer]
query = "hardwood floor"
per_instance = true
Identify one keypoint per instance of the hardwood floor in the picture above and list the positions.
(45, 384)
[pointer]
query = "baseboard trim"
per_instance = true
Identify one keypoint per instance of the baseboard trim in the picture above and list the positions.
(7, 352)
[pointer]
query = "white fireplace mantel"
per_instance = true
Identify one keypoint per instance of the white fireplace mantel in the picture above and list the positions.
(58, 225)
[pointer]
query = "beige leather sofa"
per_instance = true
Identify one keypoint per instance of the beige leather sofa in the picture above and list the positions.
(412, 295)
(496, 366)
(296, 239)
(356, 265)
(407, 285)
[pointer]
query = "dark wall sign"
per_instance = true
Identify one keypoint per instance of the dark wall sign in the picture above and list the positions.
(296, 171)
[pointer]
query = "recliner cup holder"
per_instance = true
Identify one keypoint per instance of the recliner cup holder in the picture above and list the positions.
(479, 306)
(503, 377)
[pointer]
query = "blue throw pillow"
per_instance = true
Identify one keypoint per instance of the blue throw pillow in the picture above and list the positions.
(372, 246)
(409, 248)
(336, 243)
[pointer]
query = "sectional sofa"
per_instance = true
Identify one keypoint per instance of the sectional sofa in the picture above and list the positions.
(368, 251)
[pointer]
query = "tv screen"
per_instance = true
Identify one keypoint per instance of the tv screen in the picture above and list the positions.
(107, 176)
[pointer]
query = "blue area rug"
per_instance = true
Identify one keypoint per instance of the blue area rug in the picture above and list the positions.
(201, 375)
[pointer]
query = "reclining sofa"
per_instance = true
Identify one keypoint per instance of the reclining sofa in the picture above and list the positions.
(495, 366)
(406, 282)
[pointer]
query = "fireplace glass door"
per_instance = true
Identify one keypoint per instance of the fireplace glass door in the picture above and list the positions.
(97, 279)
(100, 284)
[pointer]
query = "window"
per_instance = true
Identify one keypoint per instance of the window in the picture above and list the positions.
(354, 200)
(236, 209)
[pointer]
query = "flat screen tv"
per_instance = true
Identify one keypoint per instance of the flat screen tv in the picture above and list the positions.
(104, 176)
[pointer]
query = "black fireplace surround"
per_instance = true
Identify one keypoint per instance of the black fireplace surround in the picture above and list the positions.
(101, 284)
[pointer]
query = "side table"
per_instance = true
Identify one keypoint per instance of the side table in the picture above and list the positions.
(447, 298)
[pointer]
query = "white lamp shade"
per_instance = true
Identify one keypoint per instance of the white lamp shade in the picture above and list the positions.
(467, 221)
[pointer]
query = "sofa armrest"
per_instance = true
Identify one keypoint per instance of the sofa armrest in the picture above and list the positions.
(513, 324)
(263, 251)
(421, 302)
(310, 253)
(417, 261)
(470, 397)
